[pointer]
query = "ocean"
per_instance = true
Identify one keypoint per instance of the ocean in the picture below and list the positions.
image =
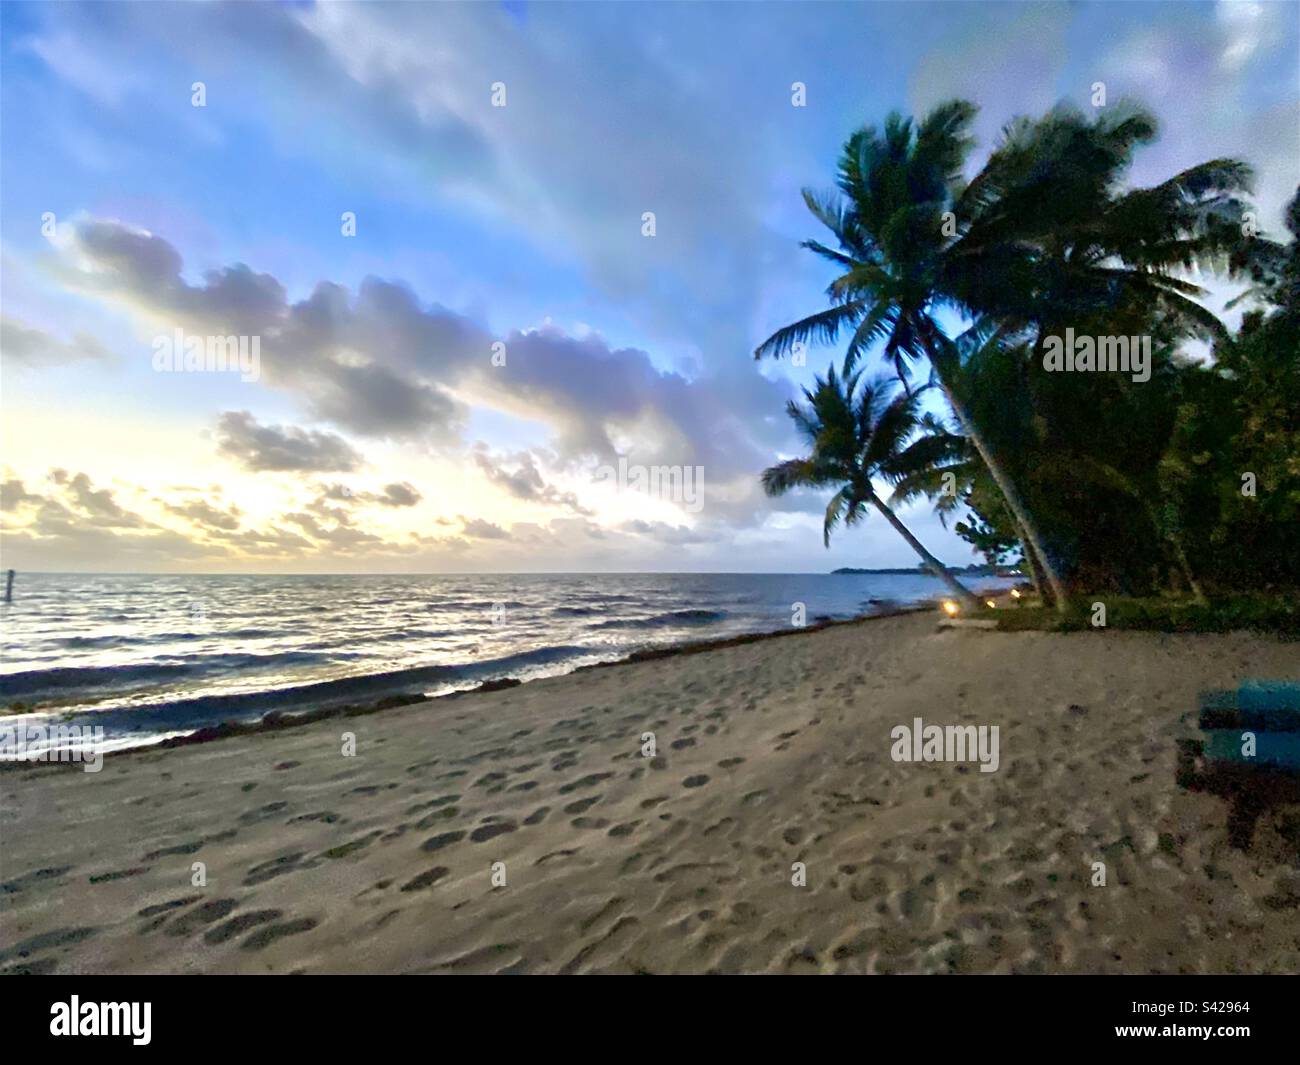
(149, 657)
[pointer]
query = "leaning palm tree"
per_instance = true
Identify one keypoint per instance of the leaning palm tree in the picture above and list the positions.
(854, 436)
(1040, 233)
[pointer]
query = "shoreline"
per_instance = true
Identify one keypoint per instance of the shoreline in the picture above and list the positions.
(278, 720)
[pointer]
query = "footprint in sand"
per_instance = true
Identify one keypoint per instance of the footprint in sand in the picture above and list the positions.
(201, 916)
(441, 800)
(249, 817)
(425, 879)
(445, 814)
(238, 925)
(589, 781)
(163, 907)
(436, 843)
(160, 912)
(557, 854)
(59, 937)
(326, 816)
(180, 848)
(582, 805)
(486, 832)
(267, 936)
(344, 849)
(269, 870)
(28, 879)
(697, 781)
(118, 874)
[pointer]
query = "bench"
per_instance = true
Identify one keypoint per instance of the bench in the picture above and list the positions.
(1250, 754)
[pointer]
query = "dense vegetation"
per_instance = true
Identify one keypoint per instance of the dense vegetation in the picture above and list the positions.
(1183, 479)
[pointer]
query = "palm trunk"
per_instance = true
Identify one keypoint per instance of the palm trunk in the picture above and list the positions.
(940, 570)
(1031, 562)
(1180, 556)
(1197, 593)
(1007, 488)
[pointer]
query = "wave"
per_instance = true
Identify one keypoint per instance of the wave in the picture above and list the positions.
(672, 619)
(203, 710)
(36, 681)
(91, 642)
(29, 681)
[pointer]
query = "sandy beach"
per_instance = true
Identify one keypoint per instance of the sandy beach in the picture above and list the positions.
(769, 753)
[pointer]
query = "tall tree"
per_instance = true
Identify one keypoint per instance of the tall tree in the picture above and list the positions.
(1042, 233)
(854, 436)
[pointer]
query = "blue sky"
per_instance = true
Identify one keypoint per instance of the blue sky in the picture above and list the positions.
(475, 224)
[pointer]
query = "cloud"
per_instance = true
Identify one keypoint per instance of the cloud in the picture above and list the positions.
(482, 530)
(400, 494)
(14, 496)
(96, 505)
(284, 448)
(35, 347)
(203, 514)
(342, 535)
(381, 363)
(525, 481)
(92, 70)
(332, 350)
(1246, 27)
(73, 523)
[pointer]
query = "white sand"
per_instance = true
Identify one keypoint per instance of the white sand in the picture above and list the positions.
(323, 863)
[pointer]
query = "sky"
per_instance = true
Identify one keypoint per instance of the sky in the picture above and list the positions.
(487, 251)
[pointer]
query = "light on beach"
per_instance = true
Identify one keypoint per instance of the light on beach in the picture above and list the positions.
(1015, 593)
(950, 608)
(991, 604)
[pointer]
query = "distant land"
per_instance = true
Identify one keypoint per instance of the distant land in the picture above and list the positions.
(974, 569)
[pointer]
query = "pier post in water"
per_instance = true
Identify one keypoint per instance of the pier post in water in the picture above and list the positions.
(9, 587)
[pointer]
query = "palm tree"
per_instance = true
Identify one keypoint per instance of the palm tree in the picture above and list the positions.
(1040, 233)
(942, 466)
(854, 437)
